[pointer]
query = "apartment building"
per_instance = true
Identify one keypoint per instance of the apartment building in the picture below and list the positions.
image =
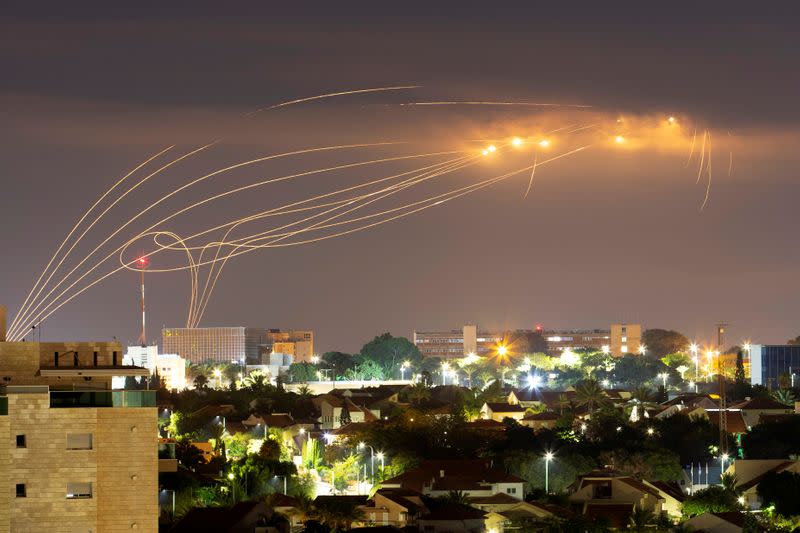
(75, 456)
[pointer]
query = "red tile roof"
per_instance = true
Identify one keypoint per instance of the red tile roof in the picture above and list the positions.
(761, 403)
(735, 422)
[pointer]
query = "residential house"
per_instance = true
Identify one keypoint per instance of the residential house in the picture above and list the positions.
(613, 496)
(544, 420)
(244, 517)
(750, 472)
(503, 510)
(331, 407)
(474, 477)
(753, 408)
(501, 411)
(395, 507)
(453, 519)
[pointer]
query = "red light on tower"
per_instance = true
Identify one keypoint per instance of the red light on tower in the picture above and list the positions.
(142, 262)
(538, 328)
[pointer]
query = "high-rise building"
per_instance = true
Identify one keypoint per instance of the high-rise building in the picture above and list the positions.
(625, 338)
(75, 455)
(769, 362)
(237, 344)
(201, 345)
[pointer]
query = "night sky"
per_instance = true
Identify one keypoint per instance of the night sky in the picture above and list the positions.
(87, 92)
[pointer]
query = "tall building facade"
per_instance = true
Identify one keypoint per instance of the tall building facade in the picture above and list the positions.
(618, 340)
(769, 362)
(75, 456)
(201, 345)
(238, 344)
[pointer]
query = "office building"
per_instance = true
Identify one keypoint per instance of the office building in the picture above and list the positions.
(143, 356)
(239, 345)
(618, 340)
(172, 369)
(769, 362)
(74, 455)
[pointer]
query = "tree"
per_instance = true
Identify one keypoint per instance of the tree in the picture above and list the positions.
(528, 342)
(641, 519)
(417, 394)
(741, 387)
(302, 372)
(200, 381)
(390, 352)
(795, 341)
(714, 499)
(784, 396)
(781, 489)
(661, 342)
(773, 440)
(590, 393)
(344, 418)
(188, 454)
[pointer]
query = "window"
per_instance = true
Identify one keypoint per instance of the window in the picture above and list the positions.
(21, 490)
(511, 490)
(79, 441)
(602, 491)
(21, 441)
(79, 490)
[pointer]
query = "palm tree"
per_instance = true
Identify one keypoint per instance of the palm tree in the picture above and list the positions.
(418, 393)
(200, 381)
(784, 396)
(590, 393)
(458, 497)
(304, 392)
(729, 482)
(562, 402)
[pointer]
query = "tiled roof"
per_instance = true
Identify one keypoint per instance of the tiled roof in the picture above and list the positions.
(756, 480)
(454, 512)
(546, 415)
(459, 474)
(761, 403)
(734, 420)
(499, 407)
(496, 499)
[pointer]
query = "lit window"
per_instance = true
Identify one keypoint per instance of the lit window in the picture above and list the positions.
(624, 349)
(624, 339)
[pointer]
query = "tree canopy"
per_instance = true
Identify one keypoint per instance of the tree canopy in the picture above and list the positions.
(661, 342)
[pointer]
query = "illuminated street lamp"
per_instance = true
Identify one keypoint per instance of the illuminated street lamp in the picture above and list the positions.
(403, 367)
(642, 349)
(233, 486)
(380, 456)
(664, 377)
(445, 368)
(722, 458)
(218, 375)
(315, 359)
(547, 458)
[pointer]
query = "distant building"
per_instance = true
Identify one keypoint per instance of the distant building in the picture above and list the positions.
(236, 344)
(74, 454)
(143, 356)
(625, 338)
(769, 362)
(172, 369)
(618, 340)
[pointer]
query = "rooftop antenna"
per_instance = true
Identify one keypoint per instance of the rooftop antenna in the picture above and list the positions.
(141, 264)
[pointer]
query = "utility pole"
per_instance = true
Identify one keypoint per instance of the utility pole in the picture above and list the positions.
(141, 263)
(723, 413)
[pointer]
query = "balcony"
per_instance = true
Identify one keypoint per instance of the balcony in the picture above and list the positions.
(105, 398)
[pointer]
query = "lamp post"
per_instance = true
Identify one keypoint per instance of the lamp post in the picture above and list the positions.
(547, 458)
(363, 445)
(218, 375)
(403, 367)
(722, 459)
(379, 455)
(233, 486)
(693, 349)
(664, 377)
(445, 368)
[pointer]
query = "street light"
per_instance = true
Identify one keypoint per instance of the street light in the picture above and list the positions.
(722, 459)
(547, 458)
(693, 348)
(233, 486)
(642, 349)
(445, 368)
(218, 375)
(403, 367)
(362, 445)
(379, 455)
(664, 377)
(315, 359)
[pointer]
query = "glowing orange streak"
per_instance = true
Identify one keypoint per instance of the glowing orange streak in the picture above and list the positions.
(702, 157)
(72, 231)
(396, 188)
(331, 95)
(226, 194)
(85, 258)
(708, 168)
(467, 190)
(533, 172)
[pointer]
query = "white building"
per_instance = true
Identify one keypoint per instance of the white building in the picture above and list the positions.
(172, 369)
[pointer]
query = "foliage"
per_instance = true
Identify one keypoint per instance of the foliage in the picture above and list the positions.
(237, 445)
(366, 369)
(188, 454)
(200, 381)
(302, 373)
(311, 454)
(773, 440)
(784, 396)
(714, 499)
(676, 359)
(390, 352)
(657, 465)
(661, 342)
(270, 449)
(563, 470)
(590, 393)
(781, 490)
